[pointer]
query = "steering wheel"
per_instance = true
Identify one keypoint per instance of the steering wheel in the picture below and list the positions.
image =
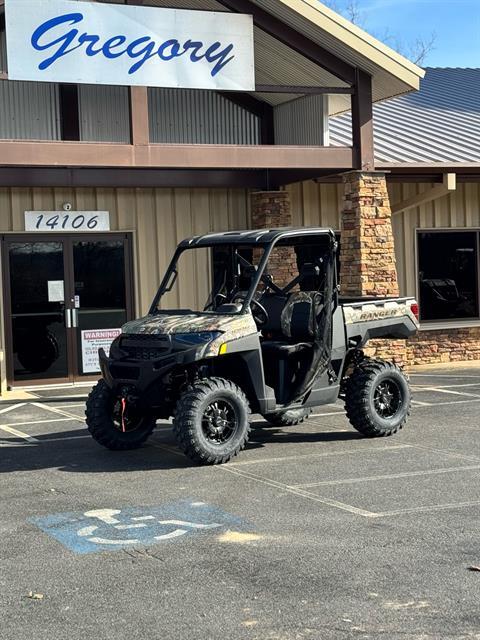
(260, 314)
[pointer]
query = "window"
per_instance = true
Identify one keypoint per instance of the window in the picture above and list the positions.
(448, 279)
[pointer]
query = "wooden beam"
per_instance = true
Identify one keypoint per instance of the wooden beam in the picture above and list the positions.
(362, 122)
(169, 156)
(290, 37)
(139, 123)
(438, 191)
(303, 90)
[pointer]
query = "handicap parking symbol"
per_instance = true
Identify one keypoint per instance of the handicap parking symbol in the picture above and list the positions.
(110, 529)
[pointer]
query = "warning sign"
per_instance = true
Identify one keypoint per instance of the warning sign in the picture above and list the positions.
(92, 341)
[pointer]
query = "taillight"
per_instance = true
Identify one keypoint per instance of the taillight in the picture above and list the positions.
(415, 310)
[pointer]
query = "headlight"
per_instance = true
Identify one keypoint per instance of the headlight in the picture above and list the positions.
(201, 337)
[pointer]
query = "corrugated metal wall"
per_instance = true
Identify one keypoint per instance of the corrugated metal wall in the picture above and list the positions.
(29, 110)
(320, 204)
(160, 218)
(104, 113)
(199, 117)
(301, 121)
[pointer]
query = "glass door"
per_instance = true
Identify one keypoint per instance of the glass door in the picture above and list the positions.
(101, 301)
(37, 318)
(65, 297)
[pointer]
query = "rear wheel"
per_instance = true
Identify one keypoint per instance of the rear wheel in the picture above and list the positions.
(212, 421)
(109, 427)
(288, 418)
(377, 398)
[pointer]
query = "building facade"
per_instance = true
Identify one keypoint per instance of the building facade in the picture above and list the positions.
(98, 182)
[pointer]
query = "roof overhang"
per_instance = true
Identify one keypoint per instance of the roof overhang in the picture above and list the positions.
(277, 63)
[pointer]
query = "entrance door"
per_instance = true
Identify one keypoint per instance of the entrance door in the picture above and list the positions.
(64, 297)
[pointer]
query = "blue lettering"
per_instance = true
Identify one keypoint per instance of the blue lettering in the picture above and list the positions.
(221, 57)
(90, 51)
(113, 43)
(147, 50)
(174, 45)
(142, 49)
(64, 41)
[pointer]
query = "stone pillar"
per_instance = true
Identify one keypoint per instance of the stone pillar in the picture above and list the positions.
(367, 253)
(367, 250)
(272, 209)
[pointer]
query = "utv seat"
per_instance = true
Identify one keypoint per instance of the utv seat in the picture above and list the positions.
(288, 353)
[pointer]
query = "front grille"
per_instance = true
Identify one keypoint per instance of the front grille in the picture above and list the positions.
(142, 353)
(145, 346)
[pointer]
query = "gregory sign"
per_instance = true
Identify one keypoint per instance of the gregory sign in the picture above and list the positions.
(93, 43)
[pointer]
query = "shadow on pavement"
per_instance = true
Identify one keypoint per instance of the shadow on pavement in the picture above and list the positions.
(66, 452)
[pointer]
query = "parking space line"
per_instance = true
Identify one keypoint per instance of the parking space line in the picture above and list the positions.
(426, 509)
(324, 454)
(441, 375)
(47, 407)
(444, 404)
(298, 492)
(24, 424)
(446, 386)
(18, 434)
(446, 452)
(444, 390)
(388, 476)
(12, 406)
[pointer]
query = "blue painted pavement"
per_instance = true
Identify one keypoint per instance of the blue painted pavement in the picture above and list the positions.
(113, 529)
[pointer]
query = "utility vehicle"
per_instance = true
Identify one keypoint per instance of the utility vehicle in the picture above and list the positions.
(273, 338)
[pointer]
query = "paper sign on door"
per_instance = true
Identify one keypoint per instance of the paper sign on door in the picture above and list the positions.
(56, 291)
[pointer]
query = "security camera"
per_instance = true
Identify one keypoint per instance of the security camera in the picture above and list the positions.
(67, 206)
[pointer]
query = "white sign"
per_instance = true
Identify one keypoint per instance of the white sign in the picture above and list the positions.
(96, 43)
(56, 291)
(92, 341)
(67, 221)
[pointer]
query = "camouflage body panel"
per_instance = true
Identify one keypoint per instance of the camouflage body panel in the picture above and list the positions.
(232, 327)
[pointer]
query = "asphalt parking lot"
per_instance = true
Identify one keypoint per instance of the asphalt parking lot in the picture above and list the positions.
(313, 532)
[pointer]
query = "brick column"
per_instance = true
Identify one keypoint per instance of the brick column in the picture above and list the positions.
(367, 253)
(272, 209)
(367, 248)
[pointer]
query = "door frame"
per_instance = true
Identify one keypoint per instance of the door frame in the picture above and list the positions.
(73, 375)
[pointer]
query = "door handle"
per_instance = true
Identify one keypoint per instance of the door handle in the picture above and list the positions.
(68, 319)
(74, 318)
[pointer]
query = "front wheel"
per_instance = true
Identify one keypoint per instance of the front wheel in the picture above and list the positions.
(377, 398)
(109, 427)
(212, 421)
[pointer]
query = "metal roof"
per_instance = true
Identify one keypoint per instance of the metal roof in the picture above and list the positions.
(438, 124)
(276, 63)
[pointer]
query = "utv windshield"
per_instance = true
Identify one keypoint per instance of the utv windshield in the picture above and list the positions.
(213, 279)
(223, 278)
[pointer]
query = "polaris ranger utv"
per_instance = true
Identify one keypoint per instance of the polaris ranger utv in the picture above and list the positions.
(273, 338)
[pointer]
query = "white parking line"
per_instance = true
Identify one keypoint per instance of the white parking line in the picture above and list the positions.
(13, 406)
(47, 407)
(441, 375)
(388, 476)
(426, 509)
(444, 390)
(298, 492)
(18, 434)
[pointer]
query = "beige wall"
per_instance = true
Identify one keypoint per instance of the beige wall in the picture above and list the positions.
(159, 218)
(320, 204)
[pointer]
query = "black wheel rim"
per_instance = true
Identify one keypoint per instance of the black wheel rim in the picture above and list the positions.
(126, 423)
(387, 398)
(219, 422)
